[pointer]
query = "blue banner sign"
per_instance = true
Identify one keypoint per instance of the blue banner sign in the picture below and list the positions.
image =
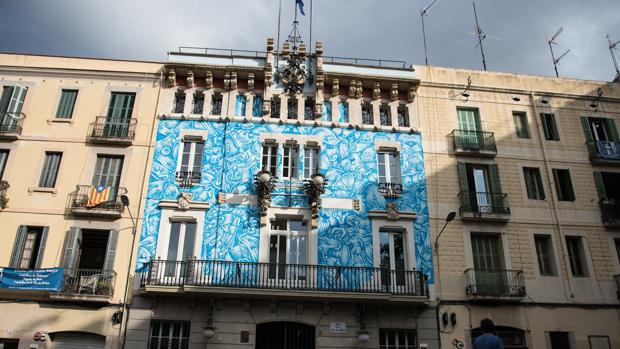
(31, 279)
(608, 150)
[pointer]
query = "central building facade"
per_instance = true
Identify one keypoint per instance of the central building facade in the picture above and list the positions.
(286, 207)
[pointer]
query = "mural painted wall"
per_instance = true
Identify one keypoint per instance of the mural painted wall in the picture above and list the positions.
(232, 156)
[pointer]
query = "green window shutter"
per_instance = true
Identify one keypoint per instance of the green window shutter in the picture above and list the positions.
(585, 124)
(111, 250)
(41, 247)
(611, 127)
(543, 119)
(465, 199)
(496, 186)
(18, 246)
(72, 247)
(600, 187)
(66, 104)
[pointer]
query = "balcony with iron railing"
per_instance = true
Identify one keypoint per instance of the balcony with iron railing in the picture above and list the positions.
(484, 206)
(604, 152)
(390, 190)
(11, 125)
(500, 284)
(188, 179)
(610, 212)
(110, 131)
(285, 280)
(473, 143)
(88, 200)
(86, 285)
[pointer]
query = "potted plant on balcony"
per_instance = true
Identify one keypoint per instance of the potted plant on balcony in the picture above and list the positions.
(104, 287)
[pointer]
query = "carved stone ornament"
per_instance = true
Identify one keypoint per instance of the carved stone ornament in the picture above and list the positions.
(209, 80)
(250, 81)
(359, 90)
(392, 210)
(190, 79)
(318, 48)
(376, 91)
(233, 80)
(352, 89)
(411, 94)
(171, 78)
(335, 87)
(320, 80)
(293, 75)
(184, 201)
(227, 81)
(270, 45)
(268, 78)
(394, 92)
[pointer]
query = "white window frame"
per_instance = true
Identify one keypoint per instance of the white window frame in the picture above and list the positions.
(388, 174)
(193, 140)
(313, 154)
(167, 218)
(272, 147)
(406, 227)
(293, 171)
(295, 213)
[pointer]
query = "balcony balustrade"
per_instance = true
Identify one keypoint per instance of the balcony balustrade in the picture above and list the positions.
(610, 212)
(288, 277)
(86, 200)
(500, 284)
(112, 131)
(475, 143)
(87, 282)
(390, 190)
(604, 152)
(484, 206)
(11, 125)
(187, 179)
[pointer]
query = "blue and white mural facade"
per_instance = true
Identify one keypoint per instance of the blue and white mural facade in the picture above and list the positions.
(231, 158)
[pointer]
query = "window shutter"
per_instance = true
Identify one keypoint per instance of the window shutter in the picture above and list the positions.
(18, 246)
(72, 246)
(465, 199)
(571, 189)
(65, 106)
(556, 180)
(546, 130)
(496, 186)
(41, 247)
(111, 250)
(613, 132)
(541, 186)
(17, 99)
(585, 124)
(600, 187)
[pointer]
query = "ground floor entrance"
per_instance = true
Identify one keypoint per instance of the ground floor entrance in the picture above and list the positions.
(285, 335)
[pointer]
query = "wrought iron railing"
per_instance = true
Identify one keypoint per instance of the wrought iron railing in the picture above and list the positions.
(608, 151)
(390, 190)
(187, 179)
(91, 282)
(610, 211)
(484, 203)
(104, 128)
(302, 277)
(475, 141)
(4, 200)
(11, 122)
(85, 197)
(495, 283)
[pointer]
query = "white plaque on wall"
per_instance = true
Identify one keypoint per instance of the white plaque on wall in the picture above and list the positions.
(338, 327)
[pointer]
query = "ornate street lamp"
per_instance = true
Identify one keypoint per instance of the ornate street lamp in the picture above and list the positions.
(264, 183)
(315, 187)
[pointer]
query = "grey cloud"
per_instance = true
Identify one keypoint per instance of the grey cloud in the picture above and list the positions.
(388, 29)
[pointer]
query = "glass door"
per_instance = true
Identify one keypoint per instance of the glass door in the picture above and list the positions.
(288, 251)
(180, 248)
(11, 103)
(488, 265)
(599, 129)
(481, 189)
(392, 259)
(119, 114)
(469, 124)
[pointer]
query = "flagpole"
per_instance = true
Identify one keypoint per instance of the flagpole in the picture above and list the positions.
(311, 45)
(278, 44)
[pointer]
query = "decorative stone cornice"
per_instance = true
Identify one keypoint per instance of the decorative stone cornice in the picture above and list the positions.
(335, 87)
(171, 78)
(394, 92)
(209, 80)
(251, 81)
(184, 203)
(190, 79)
(391, 213)
(376, 91)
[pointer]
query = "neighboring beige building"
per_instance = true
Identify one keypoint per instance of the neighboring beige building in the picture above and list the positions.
(69, 124)
(534, 178)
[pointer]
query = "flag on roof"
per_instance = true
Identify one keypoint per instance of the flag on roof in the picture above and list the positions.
(300, 3)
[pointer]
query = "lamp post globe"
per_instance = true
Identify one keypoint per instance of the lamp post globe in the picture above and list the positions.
(318, 178)
(264, 176)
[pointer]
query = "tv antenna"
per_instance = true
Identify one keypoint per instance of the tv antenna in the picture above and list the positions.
(612, 47)
(423, 13)
(481, 37)
(552, 42)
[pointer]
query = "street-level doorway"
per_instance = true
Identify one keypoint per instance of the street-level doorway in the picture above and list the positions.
(285, 335)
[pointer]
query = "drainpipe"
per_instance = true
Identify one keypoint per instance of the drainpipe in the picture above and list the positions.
(125, 318)
(556, 212)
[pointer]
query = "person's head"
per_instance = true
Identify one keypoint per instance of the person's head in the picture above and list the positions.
(487, 325)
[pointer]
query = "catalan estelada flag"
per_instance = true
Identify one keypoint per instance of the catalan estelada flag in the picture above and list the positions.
(97, 196)
(300, 3)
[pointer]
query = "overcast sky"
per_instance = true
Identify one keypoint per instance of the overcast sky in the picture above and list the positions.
(387, 29)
